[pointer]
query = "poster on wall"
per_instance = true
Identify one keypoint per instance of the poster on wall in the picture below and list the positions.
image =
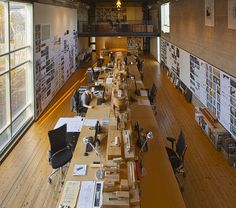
(232, 14)
(135, 43)
(209, 13)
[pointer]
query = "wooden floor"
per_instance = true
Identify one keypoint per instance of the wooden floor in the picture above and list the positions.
(210, 182)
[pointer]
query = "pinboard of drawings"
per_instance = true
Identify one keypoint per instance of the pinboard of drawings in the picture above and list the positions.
(213, 87)
(55, 54)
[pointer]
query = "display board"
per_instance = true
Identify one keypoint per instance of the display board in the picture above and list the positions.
(177, 61)
(55, 52)
(108, 14)
(135, 42)
(213, 87)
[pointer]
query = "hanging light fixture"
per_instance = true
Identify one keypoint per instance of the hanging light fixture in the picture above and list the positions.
(118, 4)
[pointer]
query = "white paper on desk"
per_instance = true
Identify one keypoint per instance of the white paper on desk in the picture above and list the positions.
(143, 93)
(144, 102)
(104, 121)
(86, 195)
(74, 124)
(139, 82)
(96, 69)
(90, 122)
(109, 80)
(70, 193)
(80, 170)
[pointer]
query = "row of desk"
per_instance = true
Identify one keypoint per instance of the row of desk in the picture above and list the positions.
(158, 187)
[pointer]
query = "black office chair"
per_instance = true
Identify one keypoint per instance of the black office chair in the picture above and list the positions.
(152, 97)
(141, 70)
(60, 153)
(176, 157)
(152, 94)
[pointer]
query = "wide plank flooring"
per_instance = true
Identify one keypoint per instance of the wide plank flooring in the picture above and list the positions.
(210, 181)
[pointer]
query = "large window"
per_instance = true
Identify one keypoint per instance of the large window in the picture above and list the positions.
(16, 75)
(165, 17)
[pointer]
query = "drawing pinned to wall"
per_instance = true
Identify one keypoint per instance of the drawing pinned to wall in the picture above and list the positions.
(209, 13)
(45, 32)
(232, 14)
(135, 42)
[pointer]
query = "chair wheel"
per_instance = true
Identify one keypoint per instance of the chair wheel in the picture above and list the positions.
(49, 180)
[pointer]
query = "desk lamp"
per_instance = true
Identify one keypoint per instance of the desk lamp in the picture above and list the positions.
(149, 136)
(133, 79)
(99, 173)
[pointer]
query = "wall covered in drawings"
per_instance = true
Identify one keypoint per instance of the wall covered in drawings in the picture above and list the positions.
(55, 41)
(213, 87)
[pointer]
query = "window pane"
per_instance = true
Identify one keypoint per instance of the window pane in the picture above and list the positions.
(3, 64)
(4, 102)
(3, 27)
(18, 26)
(22, 120)
(5, 137)
(19, 57)
(19, 89)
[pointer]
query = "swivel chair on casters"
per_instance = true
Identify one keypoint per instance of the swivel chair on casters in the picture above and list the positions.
(60, 153)
(76, 104)
(152, 97)
(176, 157)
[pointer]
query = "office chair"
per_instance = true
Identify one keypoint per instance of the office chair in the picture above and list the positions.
(176, 156)
(76, 104)
(60, 153)
(141, 70)
(152, 93)
(152, 97)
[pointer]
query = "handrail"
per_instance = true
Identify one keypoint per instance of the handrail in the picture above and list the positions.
(117, 27)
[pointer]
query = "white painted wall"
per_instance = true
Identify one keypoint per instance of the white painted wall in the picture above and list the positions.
(153, 47)
(60, 18)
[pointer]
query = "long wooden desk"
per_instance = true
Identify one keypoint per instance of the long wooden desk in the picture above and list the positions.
(159, 187)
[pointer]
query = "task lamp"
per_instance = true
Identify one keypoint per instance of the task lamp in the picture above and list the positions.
(149, 136)
(99, 173)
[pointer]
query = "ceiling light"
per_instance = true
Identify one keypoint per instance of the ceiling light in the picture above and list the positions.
(118, 4)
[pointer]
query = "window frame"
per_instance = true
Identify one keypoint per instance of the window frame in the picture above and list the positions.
(29, 70)
(165, 17)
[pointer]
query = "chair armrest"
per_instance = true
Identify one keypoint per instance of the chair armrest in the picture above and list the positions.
(49, 155)
(56, 153)
(172, 140)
